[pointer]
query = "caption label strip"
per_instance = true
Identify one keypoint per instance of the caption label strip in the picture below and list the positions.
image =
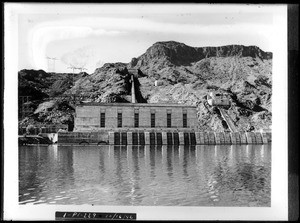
(64, 216)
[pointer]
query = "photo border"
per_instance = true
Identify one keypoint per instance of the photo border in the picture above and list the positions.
(278, 209)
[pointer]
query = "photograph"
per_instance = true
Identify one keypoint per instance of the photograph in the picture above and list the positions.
(146, 105)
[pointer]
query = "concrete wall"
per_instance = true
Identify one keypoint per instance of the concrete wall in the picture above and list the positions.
(82, 137)
(88, 117)
(160, 138)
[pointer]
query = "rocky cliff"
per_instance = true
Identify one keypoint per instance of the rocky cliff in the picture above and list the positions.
(179, 54)
(185, 74)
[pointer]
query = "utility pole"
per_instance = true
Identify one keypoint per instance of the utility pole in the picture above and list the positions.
(51, 66)
(73, 69)
(80, 68)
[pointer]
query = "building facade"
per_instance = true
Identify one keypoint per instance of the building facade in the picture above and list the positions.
(135, 116)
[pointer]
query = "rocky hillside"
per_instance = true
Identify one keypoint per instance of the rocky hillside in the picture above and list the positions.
(183, 74)
(186, 74)
(44, 91)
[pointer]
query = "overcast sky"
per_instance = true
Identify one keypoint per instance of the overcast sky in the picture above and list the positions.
(90, 35)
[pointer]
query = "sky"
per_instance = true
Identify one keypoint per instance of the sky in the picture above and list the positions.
(88, 35)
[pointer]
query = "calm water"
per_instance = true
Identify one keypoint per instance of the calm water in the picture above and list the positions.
(143, 175)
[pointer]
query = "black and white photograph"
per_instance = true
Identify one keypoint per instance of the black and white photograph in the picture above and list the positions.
(146, 107)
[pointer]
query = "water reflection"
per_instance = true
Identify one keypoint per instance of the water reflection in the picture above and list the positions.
(222, 175)
(152, 151)
(42, 168)
(169, 162)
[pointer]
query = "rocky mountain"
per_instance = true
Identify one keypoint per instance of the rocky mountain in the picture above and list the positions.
(179, 54)
(185, 74)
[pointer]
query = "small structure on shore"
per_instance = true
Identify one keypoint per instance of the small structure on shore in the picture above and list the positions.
(218, 99)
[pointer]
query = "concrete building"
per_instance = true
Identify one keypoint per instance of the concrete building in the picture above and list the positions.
(135, 116)
(218, 99)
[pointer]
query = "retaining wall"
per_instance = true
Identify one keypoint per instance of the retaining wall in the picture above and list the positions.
(83, 138)
(163, 138)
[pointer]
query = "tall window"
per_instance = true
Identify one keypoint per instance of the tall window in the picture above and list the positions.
(136, 119)
(102, 119)
(119, 120)
(169, 123)
(152, 120)
(184, 120)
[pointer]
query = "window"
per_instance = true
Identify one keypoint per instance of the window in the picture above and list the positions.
(136, 119)
(184, 120)
(152, 120)
(119, 119)
(102, 119)
(169, 123)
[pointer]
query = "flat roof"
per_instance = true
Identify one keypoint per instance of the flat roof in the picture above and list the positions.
(136, 104)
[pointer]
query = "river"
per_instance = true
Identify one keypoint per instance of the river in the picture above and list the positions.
(225, 175)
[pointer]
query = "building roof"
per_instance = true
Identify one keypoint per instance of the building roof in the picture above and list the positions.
(136, 104)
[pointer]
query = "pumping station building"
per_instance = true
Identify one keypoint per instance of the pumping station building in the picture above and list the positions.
(135, 117)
